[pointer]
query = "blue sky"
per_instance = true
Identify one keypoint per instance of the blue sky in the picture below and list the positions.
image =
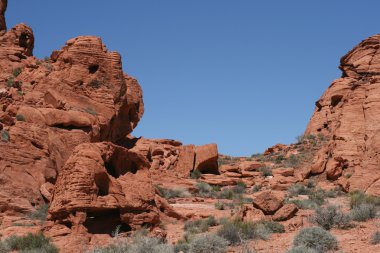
(243, 74)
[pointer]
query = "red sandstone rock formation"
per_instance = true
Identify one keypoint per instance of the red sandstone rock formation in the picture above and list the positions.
(348, 112)
(3, 8)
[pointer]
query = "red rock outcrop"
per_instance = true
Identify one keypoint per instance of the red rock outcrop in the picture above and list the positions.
(348, 113)
(3, 8)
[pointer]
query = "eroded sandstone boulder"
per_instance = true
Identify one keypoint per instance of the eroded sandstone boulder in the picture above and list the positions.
(269, 201)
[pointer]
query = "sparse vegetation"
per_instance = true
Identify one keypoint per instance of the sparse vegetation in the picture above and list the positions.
(200, 226)
(358, 197)
(114, 248)
(220, 205)
(273, 226)
(10, 82)
(301, 249)
(208, 243)
(316, 238)
(29, 243)
(149, 245)
(227, 160)
(16, 72)
(265, 171)
(256, 188)
(5, 135)
(20, 117)
(363, 212)
(195, 174)
(375, 239)
(236, 231)
(331, 216)
(172, 193)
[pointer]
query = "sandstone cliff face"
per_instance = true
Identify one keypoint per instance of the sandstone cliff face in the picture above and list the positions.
(348, 112)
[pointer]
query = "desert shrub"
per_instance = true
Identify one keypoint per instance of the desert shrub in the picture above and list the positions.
(318, 196)
(220, 205)
(31, 242)
(375, 239)
(301, 249)
(300, 138)
(208, 243)
(239, 188)
(358, 197)
(226, 193)
(256, 188)
(316, 238)
(40, 213)
(265, 171)
(273, 226)
(149, 245)
(5, 135)
(347, 175)
(114, 248)
(204, 189)
(299, 189)
(363, 212)
(304, 203)
(331, 216)
(195, 174)
(10, 82)
(196, 226)
(293, 161)
(16, 72)
(236, 231)
(211, 221)
(182, 246)
(3, 247)
(172, 193)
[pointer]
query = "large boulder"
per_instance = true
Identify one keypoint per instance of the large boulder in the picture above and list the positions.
(269, 201)
(206, 159)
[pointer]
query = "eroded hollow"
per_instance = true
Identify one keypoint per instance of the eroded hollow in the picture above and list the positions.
(335, 100)
(93, 68)
(102, 182)
(23, 40)
(105, 222)
(120, 163)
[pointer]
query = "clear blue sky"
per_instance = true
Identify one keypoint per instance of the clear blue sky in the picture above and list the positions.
(244, 74)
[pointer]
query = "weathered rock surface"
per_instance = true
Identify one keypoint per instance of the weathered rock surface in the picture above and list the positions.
(3, 7)
(348, 112)
(286, 212)
(269, 201)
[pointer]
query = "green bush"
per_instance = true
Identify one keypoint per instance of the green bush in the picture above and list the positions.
(375, 238)
(208, 243)
(316, 238)
(239, 188)
(331, 216)
(304, 203)
(211, 221)
(363, 212)
(16, 72)
(273, 226)
(358, 197)
(256, 188)
(293, 160)
(5, 135)
(236, 231)
(196, 226)
(172, 193)
(204, 189)
(36, 242)
(299, 189)
(265, 171)
(195, 174)
(40, 213)
(182, 246)
(220, 205)
(10, 82)
(226, 193)
(301, 249)
(114, 248)
(149, 245)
